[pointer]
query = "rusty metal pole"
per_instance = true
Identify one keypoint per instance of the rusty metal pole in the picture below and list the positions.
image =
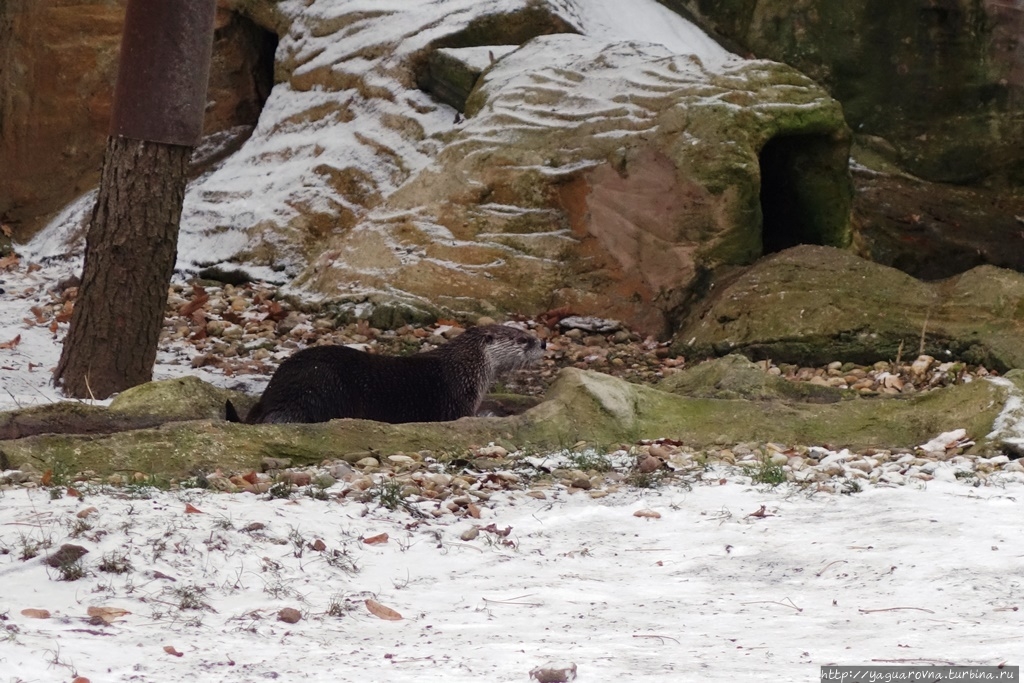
(131, 246)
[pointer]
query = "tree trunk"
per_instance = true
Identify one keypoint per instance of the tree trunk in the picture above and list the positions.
(130, 252)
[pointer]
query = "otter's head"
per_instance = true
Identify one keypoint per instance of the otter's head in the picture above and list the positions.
(507, 348)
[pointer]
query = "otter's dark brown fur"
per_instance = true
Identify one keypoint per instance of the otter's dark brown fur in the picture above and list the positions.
(327, 382)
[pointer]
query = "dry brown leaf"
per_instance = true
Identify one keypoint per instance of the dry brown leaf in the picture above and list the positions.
(649, 514)
(191, 509)
(65, 312)
(276, 312)
(46, 478)
(33, 613)
(11, 344)
(199, 298)
(169, 649)
(380, 611)
(762, 512)
(376, 540)
(474, 510)
(80, 679)
(6, 230)
(107, 614)
(9, 261)
(39, 313)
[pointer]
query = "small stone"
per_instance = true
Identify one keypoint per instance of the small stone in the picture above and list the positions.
(492, 451)
(243, 484)
(920, 366)
(342, 471)
(439, 479)
(539, 495)
(87, 512)
(401, 459)
(659, 451)
(65, 555)
(554, 672)
(779, 459)
(218, 482)
(296, 478)
(367, 462)
(232, 332)
(268, 464)
(470, 534)
(647, 465)
(582, 483)
(289, 615)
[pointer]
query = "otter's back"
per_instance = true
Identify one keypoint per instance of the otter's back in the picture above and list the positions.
(328, 382)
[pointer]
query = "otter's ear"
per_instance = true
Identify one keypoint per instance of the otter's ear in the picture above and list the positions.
(488, 337)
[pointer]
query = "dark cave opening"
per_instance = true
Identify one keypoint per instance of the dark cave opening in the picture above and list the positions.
(805, 192)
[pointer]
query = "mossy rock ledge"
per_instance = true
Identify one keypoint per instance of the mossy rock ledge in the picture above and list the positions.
(581, 405)
(812, 305)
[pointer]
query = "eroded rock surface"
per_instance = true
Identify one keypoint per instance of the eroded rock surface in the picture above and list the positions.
(940, 82)
(582, 405)
(58, 64)
(811, 305)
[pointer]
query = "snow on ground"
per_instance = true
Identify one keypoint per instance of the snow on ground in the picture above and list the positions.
(705, 592)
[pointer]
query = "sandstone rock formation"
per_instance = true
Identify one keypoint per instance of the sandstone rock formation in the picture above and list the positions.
(58, 63)
(940, 83)
(812, 305)
(581, 405)
(587, 171)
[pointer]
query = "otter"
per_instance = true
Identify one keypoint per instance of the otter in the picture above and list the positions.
(326, 382)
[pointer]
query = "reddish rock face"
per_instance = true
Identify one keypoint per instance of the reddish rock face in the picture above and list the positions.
(58, 64)
(631, 228)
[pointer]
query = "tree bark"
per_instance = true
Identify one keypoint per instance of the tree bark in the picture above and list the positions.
(130, 252)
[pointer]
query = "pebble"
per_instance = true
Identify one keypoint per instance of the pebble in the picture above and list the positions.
(289, 615)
